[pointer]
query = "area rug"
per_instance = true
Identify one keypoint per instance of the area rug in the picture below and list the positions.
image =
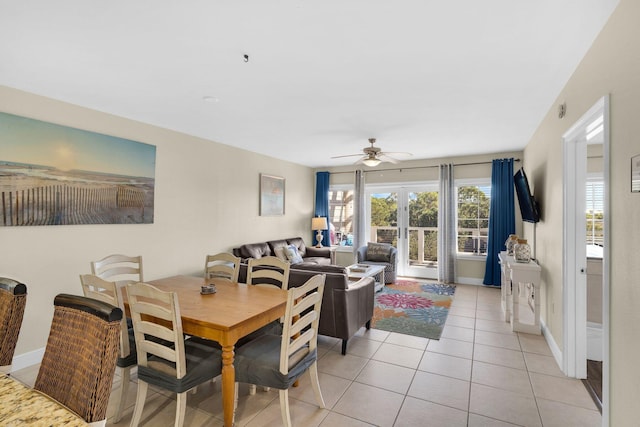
(413, 308)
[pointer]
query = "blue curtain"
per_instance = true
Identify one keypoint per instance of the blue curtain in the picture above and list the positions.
(502, 216)
(322, 205)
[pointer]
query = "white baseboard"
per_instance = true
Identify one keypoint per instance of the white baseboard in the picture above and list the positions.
(469, 281)
(553, 346)
(27, 359)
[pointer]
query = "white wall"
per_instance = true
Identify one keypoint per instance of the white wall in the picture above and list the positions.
(612, 66)
(206, 201)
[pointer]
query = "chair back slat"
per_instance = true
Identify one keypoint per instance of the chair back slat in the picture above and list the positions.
(223, 265)
(121, 269)
(269, 271)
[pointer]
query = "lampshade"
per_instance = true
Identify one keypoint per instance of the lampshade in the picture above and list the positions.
(371, 161)
(319, 223)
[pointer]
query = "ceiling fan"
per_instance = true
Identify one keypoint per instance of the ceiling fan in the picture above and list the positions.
(373, 156)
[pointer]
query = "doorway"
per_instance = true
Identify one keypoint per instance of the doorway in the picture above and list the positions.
(407, 218)
(581, 139)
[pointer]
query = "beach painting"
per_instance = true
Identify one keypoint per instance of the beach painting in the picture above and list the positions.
(58, 175)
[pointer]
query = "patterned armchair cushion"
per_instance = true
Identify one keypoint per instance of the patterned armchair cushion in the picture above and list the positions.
(378, 252)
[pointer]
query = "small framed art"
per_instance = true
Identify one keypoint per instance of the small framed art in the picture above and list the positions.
(271, 195)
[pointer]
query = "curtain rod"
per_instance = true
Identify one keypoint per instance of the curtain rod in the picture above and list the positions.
(419, 167)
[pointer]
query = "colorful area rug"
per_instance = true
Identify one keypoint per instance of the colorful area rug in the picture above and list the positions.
(413, 308)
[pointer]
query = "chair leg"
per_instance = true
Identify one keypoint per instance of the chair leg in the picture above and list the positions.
(284, 408)
(140, 399)
(181, 407)
(368, 324)
(125, 373)
(344, 347)
(315, 384)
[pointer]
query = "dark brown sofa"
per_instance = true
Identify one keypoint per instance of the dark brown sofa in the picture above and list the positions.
(346, 306)
(309, 254)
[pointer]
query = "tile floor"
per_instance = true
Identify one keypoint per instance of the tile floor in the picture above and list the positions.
(478, 374)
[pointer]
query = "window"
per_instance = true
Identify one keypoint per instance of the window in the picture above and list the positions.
(595, 211)
(473, 216)
(341, 200)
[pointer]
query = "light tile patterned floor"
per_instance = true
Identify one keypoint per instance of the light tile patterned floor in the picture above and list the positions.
(478, 374)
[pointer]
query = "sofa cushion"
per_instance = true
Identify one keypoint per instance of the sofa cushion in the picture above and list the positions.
(279, 252)
(274, 244)
(379, 252)
(292, 254)
(255, 250)
(320, 268)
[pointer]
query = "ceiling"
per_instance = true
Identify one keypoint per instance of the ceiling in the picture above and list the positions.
(434, 78)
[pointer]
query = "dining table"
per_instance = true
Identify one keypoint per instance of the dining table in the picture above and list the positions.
(232, 312)
(21, 405)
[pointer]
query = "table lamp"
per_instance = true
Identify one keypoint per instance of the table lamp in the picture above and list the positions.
(318, 224)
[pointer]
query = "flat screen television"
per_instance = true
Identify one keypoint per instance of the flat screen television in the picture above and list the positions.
(529, 208)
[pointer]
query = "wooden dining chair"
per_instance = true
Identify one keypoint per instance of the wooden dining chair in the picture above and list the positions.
(177, 366)
(80, 357)
(272, 272)
(121, 269)
(278, 361)
(13, 298)
(268, 271)
(223, 265)
(103, 290)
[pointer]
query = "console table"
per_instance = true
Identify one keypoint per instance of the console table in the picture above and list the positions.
(520, 281)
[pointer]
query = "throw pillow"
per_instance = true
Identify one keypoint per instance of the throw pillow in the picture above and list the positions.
(280, 253)
(378, 252)
(292, 254)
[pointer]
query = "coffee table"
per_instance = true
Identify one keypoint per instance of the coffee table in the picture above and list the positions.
(358, 271)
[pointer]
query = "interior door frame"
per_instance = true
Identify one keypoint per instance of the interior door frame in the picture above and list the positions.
(575, 296)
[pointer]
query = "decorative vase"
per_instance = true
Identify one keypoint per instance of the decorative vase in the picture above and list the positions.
(511, 241)
(522, 251)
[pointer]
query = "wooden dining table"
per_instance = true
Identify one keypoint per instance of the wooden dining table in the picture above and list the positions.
(21, 405)
(234, 311)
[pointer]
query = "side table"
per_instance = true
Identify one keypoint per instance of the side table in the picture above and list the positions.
(520, 285)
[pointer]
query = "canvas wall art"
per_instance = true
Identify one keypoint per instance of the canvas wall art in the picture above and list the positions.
(58, 175)
(271, 195)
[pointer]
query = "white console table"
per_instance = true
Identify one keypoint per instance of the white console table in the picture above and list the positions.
(520, 285)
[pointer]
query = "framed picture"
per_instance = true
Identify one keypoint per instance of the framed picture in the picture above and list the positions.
(635, 174)
(271, 195)
(57, 175)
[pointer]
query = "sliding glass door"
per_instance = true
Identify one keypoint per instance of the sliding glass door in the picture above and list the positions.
(407, 218)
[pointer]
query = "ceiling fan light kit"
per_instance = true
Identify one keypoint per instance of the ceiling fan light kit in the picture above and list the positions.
(371, 161)
(373, 156)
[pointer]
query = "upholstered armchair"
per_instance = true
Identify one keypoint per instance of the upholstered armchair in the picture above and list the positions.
(380, 254)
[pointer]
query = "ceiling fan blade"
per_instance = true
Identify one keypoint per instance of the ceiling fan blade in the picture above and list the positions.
(398, 153)
(348, 155)
(385, 158)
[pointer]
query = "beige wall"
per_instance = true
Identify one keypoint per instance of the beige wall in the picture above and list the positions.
(612, 66)
(467, 270)
(206, 201)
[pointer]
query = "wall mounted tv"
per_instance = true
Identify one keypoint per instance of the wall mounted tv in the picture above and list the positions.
(529, 208)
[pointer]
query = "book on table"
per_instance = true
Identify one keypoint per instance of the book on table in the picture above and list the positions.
(359, 268)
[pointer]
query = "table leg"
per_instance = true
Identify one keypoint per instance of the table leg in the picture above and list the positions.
(228, 385)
